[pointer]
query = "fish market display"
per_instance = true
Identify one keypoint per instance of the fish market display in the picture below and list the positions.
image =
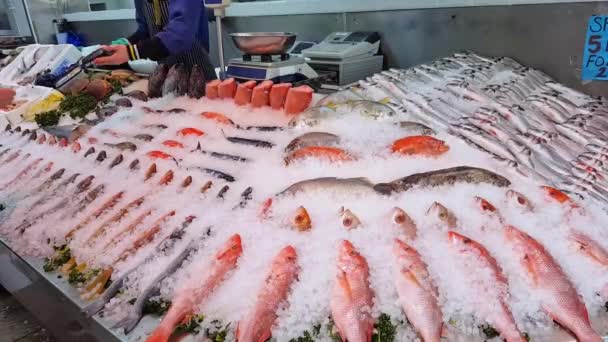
(460, 200)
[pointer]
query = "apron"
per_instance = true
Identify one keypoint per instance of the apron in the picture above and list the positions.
(196, 55)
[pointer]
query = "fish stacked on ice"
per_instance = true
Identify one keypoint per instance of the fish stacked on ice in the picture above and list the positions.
(177, 207)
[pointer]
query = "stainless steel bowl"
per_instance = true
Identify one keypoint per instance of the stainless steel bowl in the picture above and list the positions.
(264, 43)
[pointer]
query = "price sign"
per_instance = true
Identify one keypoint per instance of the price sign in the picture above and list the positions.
(595, 59)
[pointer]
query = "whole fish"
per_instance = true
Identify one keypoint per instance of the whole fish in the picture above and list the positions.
(300, 220)
(214, 173)
(518, 200)
(560, 299)
(220, 155)
(250, 142)
(222, 192)
(256, 325)
(312, 139)
(339, 185)
(144, 137)
(177, 81)
(348, 220)
(188, 299)
(137, 312)
(245, 198)
(450, 176)
(107, 205)
(196, 83)
(157, 79)
(499, 315)
(352, 298)
(417, 292)
(163, 247)
(480, 138)
(339, 97)
(123, 146)
(415, 128)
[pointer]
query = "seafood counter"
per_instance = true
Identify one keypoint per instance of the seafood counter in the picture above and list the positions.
(462, 199)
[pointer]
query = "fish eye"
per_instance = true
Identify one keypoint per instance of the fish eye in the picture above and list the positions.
(443, 215)
(521, 200)
(399, 218)
(347, 222)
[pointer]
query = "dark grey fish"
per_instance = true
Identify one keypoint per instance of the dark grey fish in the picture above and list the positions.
(215, 173)
(312, 139)
(101, 156)
(349, 186)
(116, 161)
(223, 192)
(134, 165)
(450, 176)
(7, 128)
(91, 150)
(163, 246)
(138, 95)
(159, 126)
(156, 80)
(262, 128)
(124, 102)
(89, 198)
(123, 146)
(196, 83)
(416, 128)
(144, 137)
(219, 155)
(245, 198)
(18, 129)
(25, 132)
(176, 110)
(106, 111)
(251, 142)
(4, 152)
(176, 81)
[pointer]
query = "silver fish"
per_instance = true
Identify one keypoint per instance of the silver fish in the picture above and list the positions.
(483, 140)
(312, 139)
(415, 128)
(339, 185)
(339, 97)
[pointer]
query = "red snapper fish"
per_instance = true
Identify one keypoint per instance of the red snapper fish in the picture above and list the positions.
(417, 292)
(352, 298)
(256, 326)
(501, 317)
(185, 302)
(560, 299)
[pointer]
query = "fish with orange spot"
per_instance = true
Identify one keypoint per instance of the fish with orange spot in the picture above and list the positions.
(421, 145)
(192, 295)
(402, 221)
(76, 147)
(487, 208)
(520, 201)
(160, 155)
(256, 325)
(173, 143)
(417, 292)
(556, 194)
(331, 154)
(441, 215)
(191, 131)
(348, 220)
(559, 298)
(497, 313)
(300, 220)
(218, 117)
(352, 298)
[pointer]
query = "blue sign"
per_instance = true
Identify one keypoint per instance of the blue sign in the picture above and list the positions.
(595, 58)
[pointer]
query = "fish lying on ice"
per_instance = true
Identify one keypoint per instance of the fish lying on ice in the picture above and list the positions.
(312, 139)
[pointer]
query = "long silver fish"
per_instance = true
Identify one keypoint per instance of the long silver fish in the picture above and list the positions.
(338, 185)
(312, 139)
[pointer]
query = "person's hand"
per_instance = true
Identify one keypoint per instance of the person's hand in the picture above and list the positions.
(119, 55)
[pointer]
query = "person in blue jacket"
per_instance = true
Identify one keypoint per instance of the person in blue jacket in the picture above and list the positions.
(168, 31)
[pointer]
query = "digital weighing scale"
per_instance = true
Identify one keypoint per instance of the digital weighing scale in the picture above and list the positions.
(286, 67)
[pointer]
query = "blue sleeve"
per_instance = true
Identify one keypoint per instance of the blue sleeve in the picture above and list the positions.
(142, 27)
(184, 18)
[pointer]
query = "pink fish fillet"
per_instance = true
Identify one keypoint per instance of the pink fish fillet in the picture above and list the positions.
(351, 297)
(186, 301)
(501, 317)
(417, 293)
(256, 326)
(560, 300)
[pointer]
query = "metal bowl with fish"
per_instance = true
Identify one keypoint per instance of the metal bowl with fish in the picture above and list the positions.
(263, 43)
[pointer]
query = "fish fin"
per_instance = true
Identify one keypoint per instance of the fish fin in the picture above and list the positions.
(94, 307)
(343, 282)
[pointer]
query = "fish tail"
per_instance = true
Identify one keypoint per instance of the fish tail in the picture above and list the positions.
(384, 188)
(131, 322)
(94, 307)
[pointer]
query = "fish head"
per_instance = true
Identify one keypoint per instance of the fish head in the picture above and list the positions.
(166, 178)
(231, 250)
(401, 220)
(403, 250)
(485, 205)
(441, 215)
(519, 200)
(348, 220)
(300, 219)
(285, 260)
(349, 259)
